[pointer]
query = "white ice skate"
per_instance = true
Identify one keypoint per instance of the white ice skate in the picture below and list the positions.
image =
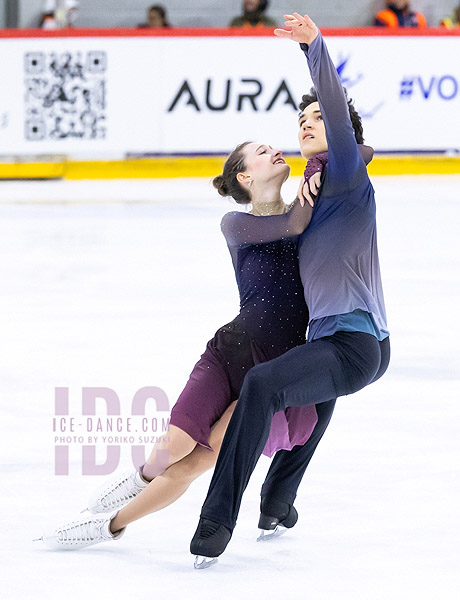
(81, 533)
(116, 492)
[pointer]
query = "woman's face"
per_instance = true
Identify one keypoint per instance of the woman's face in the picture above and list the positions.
(264, 164)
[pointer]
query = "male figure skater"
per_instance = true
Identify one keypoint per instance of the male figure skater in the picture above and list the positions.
(348, 339)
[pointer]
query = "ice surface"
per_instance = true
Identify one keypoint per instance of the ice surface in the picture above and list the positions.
(120, 284)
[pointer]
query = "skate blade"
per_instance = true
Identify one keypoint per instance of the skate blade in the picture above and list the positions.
(204, 562)
(267, 535)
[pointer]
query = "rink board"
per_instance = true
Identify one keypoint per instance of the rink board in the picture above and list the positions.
(207, 166)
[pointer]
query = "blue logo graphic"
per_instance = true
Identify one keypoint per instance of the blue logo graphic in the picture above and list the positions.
(346, 80)
(349, 81)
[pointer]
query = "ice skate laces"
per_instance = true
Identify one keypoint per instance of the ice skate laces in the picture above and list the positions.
(86, 531)
(123, 490)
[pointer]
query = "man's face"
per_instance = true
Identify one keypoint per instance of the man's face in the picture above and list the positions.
(312, 133)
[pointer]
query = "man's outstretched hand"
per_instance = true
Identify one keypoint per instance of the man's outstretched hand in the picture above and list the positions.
(298, 29)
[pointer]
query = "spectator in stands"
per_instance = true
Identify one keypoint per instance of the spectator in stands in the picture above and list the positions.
(253, 15)
(399, 14)
(57, 15)
(156, 17)
(47, 18)
(453, 21)
(71, 12)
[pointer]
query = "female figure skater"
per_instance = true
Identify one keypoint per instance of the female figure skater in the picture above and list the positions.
(348, 343)
(272, 319)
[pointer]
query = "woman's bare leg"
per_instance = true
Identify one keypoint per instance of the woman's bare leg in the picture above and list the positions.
(172, 483)
(171, 448)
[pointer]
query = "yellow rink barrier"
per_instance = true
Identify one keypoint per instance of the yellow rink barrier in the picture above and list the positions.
(208, 166)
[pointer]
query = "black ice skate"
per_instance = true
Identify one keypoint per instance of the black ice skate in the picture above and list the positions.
(276, 518)
(209, 541)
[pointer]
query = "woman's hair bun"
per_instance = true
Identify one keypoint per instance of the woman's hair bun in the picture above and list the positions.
(220, 185)
(227, 183)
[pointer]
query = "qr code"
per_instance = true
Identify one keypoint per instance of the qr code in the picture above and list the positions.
(65, 95)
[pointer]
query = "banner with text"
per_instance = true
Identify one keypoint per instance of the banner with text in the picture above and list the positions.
(99, 96)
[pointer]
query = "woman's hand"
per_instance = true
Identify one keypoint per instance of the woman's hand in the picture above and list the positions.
(298, 29)
(308, 190)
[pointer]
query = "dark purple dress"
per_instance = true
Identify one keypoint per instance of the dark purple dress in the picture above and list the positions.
(273, 318)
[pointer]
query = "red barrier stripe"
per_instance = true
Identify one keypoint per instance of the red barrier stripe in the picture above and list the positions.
(223, 32)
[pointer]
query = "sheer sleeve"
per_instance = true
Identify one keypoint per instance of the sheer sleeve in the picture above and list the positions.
(242, 228)
(314, 165)
(318, 163)
(367, 153)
